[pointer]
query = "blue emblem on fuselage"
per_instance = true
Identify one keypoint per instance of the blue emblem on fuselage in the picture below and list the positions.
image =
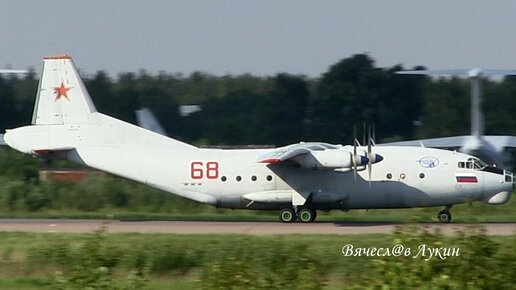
(429, 162)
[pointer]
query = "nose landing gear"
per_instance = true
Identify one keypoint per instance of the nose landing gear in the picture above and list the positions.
(444, 216)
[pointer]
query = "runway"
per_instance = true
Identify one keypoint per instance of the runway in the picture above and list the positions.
(224, 227)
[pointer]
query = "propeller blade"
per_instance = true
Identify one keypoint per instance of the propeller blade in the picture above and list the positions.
(355, 158)
(363, 133)
(369, 156)
(374, 136)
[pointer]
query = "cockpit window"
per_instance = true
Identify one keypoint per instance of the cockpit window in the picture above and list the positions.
(479, 164)
(473, 163)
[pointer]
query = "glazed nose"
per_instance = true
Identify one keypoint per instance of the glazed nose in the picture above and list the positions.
(509, 177)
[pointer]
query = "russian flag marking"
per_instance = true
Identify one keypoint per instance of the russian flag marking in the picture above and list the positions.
(466, 178)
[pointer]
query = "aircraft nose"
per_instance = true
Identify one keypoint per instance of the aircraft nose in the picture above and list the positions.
(6, 138)
(509, 177)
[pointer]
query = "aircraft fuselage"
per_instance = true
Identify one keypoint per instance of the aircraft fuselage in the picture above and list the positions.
(407, 176)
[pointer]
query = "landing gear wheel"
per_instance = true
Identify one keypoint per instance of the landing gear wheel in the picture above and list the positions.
(307, 215)
(287, 215)
(444, 216)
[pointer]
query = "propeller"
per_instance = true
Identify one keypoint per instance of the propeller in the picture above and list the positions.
(354, 158)
(372, 157)
(374, 136)
(369, 156)
(358, 159)
(363, 133)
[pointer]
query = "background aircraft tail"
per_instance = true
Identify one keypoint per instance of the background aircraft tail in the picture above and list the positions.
(146, 119)
(62, 97)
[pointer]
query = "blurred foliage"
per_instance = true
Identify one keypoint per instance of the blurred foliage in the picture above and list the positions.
(482, 262)
(282, 109)
(245, 109)
(132, 261)
(22, 194)
(22, 191)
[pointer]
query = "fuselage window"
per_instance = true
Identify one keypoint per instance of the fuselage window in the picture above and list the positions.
(389, 176)
(421, 175)
(269, 178)
(238, 178)
(462, 165)
(253, 178)
(223, 178)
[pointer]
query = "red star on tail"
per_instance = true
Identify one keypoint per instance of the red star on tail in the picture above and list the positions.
(62, 91)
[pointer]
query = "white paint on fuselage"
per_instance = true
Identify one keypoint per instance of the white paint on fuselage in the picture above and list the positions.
(132, 152)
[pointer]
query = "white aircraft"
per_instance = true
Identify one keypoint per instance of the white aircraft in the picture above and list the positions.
(489, 148)
(13, 71)
(297, 180)
(146, 119)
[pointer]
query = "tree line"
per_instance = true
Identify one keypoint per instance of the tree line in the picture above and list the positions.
(285, 108)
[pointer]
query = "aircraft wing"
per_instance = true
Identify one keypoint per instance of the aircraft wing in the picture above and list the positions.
(291, 151)
(499, 142)
(13, 71)
(445, 142)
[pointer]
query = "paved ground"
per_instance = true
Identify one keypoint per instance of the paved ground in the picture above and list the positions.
(222, 227)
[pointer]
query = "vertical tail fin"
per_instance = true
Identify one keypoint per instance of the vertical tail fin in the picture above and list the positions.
(146, 119)
(477, 118)
(62, 97)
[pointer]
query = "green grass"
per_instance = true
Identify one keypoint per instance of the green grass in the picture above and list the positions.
(22, 268)
(464, 213)
(170, 261)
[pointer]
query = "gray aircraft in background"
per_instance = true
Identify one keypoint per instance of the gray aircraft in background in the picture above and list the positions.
(487, 147)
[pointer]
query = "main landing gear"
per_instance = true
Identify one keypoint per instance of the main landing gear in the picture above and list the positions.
(444, 215)
(304, 215)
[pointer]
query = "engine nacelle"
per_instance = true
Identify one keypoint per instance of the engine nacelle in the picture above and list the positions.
(330, 159)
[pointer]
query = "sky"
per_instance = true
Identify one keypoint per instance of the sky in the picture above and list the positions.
(263, 37)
